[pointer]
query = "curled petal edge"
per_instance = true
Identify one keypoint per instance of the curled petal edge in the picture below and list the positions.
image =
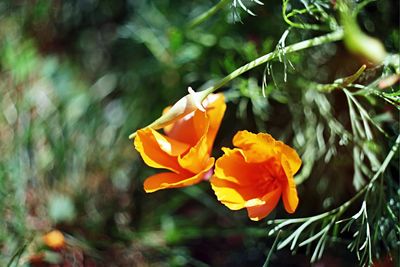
(174, 180)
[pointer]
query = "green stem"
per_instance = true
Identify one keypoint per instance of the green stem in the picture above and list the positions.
(271, 251)
(204, 16)
(305, 26)
(328, 38)
(355, 39)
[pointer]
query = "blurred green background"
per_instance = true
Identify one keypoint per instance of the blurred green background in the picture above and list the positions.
(77, 77)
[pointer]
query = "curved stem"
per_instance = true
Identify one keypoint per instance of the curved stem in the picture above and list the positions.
(328, 38)
(305, 26)
(204, 16)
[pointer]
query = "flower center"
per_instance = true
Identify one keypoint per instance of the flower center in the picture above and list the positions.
(268, 175)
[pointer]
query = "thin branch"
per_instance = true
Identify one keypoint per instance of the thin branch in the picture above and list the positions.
(328, 38)
(207, 14)
(305, 26)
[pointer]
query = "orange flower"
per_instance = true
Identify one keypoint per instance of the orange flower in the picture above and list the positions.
(185, 148)
(54, 240)
(256, 174)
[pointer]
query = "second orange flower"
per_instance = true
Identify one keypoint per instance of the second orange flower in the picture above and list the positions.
(256, 174)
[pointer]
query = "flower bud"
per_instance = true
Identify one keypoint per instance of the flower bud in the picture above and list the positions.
(356, 40)
(184, 106)
(54, 240)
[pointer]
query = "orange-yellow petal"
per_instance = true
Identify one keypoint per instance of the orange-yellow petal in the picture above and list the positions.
(193, 126)
(289, 194)
(215, 112)
(148, 145)
(256, 147)
(197, 157)
(232, 167)
(258, 212)
(233, 195)
(291, 156)
(189, 129)
(227, 193)
(173, 180)
(169, 145)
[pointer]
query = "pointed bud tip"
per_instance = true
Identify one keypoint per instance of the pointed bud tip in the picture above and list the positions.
(132, 135)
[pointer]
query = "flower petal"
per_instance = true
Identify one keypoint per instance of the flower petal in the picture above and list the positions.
(215, 104)
(228, 193)
(193, 126)
(289, 194)
(197, 157)
(232, 195)
(291, 156)
(189, 129)
(172, 180)
(256, 147)
(233, 167)
(168, 145)
(259, 212)
(152, 148)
